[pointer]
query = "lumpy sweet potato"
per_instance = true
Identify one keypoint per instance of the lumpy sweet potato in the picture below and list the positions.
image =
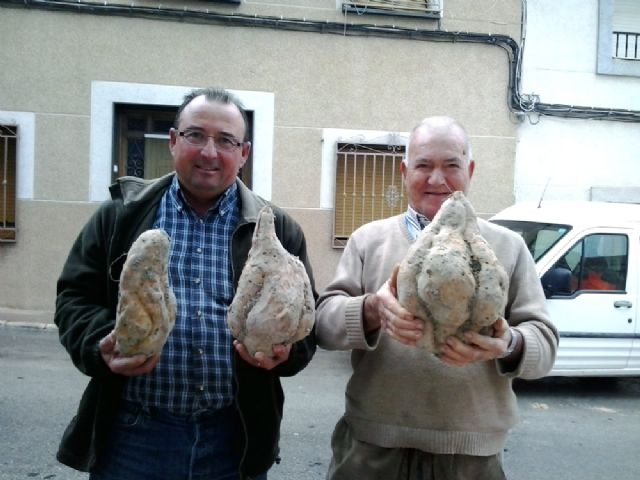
(451, 278)
(274, 302)
(146, 310)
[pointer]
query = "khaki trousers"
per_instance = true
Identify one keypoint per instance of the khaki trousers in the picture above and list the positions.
(356, 460)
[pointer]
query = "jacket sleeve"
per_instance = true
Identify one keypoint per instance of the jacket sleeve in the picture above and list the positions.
(303, 350)
(83, 312)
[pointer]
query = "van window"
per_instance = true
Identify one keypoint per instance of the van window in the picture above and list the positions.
(539, 237)
(597, 263)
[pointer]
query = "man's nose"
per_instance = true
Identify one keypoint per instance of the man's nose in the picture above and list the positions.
(210, 147)
(437, 177)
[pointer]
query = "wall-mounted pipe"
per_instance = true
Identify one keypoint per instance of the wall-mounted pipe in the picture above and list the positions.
(519, 104)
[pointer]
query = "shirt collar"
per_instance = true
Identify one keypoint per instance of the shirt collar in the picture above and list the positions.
(419, 220)
(415, 222)
(224, 203)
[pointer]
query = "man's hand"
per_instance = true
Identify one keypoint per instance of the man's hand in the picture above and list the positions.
(479, 348)
(382, 310)
(127, 366)
(280, 354)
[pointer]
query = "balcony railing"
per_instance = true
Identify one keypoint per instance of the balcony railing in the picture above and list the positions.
(411, 8)
(625, 45)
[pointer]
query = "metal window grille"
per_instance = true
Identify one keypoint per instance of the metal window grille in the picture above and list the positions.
(423, 8)
(625, 45)
(231, 2)
(8, 140)
(369, 187)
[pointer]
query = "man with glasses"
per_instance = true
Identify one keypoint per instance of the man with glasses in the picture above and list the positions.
(203, 408)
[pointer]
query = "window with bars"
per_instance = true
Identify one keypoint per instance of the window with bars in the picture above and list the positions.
(619, 37)
(369, 186)
(8, 143)
(626, 45)
(230, 2)
(421, 8)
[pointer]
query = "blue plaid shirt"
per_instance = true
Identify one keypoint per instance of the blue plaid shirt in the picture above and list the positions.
(195, 370)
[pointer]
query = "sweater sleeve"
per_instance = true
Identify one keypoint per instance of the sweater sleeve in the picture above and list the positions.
(339, 310)
(527, 311)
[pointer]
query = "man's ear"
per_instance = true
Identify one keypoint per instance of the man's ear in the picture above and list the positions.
(246, 148)
(173, 138)
(472, 167)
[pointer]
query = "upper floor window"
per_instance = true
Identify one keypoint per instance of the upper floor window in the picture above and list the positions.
(619, 37)
(368, 186)
(413, 8)
(8, 144)
(625, 45)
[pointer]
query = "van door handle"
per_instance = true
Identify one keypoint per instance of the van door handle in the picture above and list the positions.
(622, 304)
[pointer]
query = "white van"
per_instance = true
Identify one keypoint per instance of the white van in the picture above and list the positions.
(587, 256)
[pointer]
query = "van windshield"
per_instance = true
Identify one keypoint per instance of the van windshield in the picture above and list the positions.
(539, 237)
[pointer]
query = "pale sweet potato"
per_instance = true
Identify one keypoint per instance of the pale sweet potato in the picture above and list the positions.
(274, 302)
(146, 310)
(451, 278)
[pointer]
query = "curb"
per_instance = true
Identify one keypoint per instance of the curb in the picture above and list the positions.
(38, 326)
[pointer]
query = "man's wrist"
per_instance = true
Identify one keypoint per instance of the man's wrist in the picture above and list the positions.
(370, 321)
(513, 343)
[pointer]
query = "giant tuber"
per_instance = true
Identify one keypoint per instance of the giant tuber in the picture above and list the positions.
(274, 302)
(451, 278)
(146, 311)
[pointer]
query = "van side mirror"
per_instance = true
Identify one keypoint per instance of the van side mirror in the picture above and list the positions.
(556, 281)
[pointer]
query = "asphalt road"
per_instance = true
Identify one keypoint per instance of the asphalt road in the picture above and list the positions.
(570, 429)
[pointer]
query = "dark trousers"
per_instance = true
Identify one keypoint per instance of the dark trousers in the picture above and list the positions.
(147, 444)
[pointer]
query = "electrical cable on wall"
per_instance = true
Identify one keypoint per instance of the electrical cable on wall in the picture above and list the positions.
(519, 104)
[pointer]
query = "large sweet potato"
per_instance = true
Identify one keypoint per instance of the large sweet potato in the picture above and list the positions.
(274, 303)
(146, 306)
(451, 278)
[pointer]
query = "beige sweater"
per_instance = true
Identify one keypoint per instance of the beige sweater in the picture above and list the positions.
(400, 396)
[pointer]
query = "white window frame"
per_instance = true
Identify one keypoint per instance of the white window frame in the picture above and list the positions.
(607, 64)
(330, 139)
(105, 94)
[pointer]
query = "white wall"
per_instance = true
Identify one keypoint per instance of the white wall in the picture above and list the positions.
(572, 155)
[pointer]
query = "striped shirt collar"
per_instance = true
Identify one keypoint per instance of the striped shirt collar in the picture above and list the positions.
(415, 222)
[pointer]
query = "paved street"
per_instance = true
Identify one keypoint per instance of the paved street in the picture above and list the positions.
(570, 429)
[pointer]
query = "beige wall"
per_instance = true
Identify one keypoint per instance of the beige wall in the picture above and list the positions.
(319, 81)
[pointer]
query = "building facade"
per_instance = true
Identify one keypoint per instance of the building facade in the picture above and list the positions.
(581, 78)
(87, 89)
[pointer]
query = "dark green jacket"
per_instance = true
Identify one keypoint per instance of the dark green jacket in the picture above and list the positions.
(87, 296)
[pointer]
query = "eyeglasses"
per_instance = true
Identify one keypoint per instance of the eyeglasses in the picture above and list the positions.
(199, 139)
